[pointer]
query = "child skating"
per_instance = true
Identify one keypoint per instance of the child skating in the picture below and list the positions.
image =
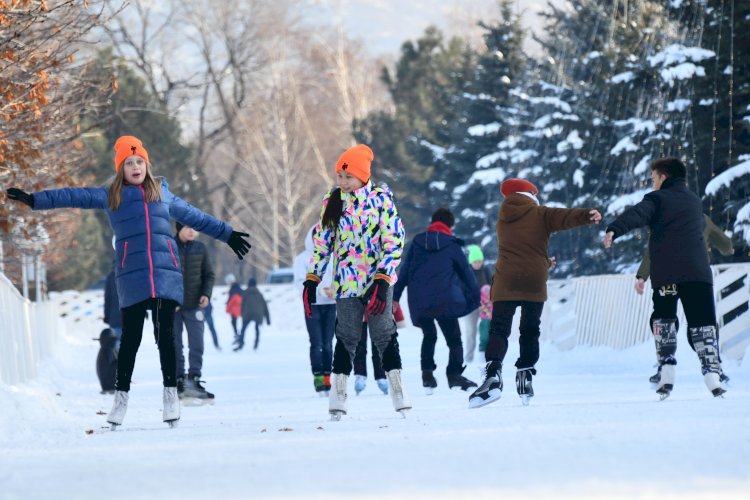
(360, 234)
(523, 230)
(147, 269)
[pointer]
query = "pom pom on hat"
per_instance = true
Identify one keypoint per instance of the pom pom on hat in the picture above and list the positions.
(356, 161)
(128, 145)
(514, 185)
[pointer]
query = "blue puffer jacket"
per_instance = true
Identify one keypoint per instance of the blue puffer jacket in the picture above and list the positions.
(147, 262)
(441, 283)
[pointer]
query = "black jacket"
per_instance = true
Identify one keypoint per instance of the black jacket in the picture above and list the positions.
(441, 282)
(676, 246)
(254, 307)
(197, 272)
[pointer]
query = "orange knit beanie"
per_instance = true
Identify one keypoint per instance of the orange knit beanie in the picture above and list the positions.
(127, 145)
(356, 161)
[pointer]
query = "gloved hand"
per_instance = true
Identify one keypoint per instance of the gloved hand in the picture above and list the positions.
(239, 244)
(309, 296)
(376, 297)
(21, 195)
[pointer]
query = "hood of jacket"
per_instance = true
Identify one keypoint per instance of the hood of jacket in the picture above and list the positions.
(309, 245)
(435, 241)
(516, 206)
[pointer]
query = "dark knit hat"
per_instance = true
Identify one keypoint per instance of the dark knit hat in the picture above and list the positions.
(514, 185)
(178, 226)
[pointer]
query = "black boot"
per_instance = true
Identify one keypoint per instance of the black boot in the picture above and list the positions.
(458, 380)
(428, 379)
(523, 384)
(492, 387)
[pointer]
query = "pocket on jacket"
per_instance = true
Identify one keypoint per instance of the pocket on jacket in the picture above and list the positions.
(171, 251)
(124, 255)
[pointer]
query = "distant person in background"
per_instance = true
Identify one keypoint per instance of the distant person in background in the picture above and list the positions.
(112, 313)
(360, 365)
(483, 277)
(234, 306)
(679, 269)
(198, 282)
(322, 322)
(254, 309)
(140, 207)
(714, 238)
(442, 288)
(485, 315)
(208, 311)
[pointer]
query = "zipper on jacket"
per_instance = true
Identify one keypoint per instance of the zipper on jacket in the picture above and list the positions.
(148, 244)
(174, 259)
(124, 254)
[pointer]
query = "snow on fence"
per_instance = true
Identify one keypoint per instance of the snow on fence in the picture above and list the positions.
(28, 334)
(587, 311)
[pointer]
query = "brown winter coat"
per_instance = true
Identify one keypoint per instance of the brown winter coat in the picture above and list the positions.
(523, 231)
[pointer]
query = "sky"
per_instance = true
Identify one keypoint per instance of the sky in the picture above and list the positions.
(385, 24)
(594, 429)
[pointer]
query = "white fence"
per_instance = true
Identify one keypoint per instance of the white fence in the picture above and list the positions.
(28, 334)
(606, 311)
(587, 311)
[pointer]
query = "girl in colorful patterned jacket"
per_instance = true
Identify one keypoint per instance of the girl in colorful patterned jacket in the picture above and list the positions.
(147, 270)
(360, 234)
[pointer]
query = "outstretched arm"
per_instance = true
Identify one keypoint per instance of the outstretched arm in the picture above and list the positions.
(82, 197)
(559, 219)
(636, 216)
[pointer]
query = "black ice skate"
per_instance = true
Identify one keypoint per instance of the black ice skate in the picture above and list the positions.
(428, 382)
(459, 381)
(492, 387)
(523, 384)
(194, 394)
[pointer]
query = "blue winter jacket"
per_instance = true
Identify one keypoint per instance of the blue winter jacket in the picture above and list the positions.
(146, 258)
(441, 283)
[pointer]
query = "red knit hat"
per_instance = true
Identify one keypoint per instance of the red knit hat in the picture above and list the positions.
(514, 185)
(127, 145)
(356, 161)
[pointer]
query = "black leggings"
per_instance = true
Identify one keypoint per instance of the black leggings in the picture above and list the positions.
(502, 321)
(162, 314)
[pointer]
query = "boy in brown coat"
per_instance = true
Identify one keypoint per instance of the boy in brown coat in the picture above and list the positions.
(523, 231)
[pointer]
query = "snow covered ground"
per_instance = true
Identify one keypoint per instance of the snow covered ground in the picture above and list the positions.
(595, 429)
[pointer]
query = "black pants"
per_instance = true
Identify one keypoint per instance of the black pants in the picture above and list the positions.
(245, 324)
(502, 322)
(342, 362)
(162, 313)
(452, 333)
(697, 301)
(360, 359)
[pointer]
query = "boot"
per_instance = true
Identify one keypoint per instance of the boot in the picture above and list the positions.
(523, 384)
(337, 396)
(665, 336)
(428, 381)
(119, 407)
(171, 411)
(382, 385)
(360, 382)
(400, 400)
(327, 382)
(654, 379)
(458, 380)
(492, 387)
(195, 392)
(707, 348)
(319, 383)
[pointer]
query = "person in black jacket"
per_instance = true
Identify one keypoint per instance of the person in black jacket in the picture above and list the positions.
(254, 308)
(442, 287)
(198, 281)
(679, 269)
(112, 314)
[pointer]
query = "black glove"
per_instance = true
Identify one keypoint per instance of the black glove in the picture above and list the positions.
(21, 195)
(309, 296)
(239, 244)
(376, 297)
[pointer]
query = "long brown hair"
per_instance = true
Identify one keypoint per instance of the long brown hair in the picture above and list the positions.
(150, 185)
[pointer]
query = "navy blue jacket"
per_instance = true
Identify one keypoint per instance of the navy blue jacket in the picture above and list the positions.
(146, 258)
(441, 283)
(676, 246)
(112, 315)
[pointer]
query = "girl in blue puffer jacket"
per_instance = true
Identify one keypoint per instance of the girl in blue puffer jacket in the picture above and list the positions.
(147, 270)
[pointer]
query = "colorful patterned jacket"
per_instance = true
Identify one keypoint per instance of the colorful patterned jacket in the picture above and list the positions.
(367, 243)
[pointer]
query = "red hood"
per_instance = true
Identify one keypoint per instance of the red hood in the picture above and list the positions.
(440, 227)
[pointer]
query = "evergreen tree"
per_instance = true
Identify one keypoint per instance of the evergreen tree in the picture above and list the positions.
(428, 77)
